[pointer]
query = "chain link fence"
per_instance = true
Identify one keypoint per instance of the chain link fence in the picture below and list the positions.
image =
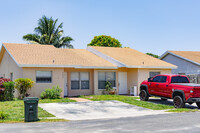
(194, 78)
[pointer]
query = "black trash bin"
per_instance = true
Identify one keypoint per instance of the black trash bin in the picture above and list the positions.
(31, 109)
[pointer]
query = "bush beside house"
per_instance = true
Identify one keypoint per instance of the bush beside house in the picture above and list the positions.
(51, 93)
(9, 90)
(23, 85)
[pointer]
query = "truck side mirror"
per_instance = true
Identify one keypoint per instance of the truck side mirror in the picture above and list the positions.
(149, 79)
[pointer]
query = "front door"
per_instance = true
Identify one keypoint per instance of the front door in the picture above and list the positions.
(122, 83)
(65, 83)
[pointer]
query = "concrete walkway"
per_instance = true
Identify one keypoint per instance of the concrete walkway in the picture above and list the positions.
(79, 99)
(96, 110)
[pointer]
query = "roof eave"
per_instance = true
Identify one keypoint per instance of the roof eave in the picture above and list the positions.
(160, 67)
(68, 66)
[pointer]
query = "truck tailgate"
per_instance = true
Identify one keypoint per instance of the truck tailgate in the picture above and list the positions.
(196, 92)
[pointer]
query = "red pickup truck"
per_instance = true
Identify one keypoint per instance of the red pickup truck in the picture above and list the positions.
(168, 86)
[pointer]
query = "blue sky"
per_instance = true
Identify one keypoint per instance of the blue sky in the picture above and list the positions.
(145, 25)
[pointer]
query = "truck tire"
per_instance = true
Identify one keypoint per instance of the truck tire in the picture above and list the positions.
(163, 99)
(144, 96)
(178, 102)
(198, 104)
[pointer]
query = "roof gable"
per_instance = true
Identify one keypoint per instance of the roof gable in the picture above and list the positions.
(190, 56)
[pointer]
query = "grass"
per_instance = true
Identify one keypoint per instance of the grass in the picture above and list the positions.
(61, 100)
(15, 110)
(135, 101)
(182, 110)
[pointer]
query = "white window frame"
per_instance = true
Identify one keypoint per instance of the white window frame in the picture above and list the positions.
(79, 80)
(106, 78)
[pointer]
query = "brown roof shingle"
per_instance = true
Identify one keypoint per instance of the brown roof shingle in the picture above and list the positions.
(191, 55)
(48, 55)
(133, 58)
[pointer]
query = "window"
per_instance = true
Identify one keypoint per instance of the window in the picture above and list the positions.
(160, 79)
(43, 76)
(153, 74)
(157, 79)
(11, 76)
(163, 79)
(84, 76)
(106, 76)
(181, 73)
(179, 79)
(80, 80)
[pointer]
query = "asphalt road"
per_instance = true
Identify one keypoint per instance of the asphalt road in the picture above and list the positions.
(165, 123)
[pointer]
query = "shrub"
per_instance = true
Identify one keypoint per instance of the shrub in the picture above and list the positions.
(3, 116)
(9, 90)
(108, 86)
(23, 85)
(2, 97)
(53, 93)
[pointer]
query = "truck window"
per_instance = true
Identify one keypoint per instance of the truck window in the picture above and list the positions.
(179, 79)
(163, 79)
(157, 79)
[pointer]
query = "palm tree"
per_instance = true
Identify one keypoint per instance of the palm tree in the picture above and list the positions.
(48, 33)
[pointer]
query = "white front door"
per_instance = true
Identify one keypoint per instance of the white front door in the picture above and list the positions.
(65, 83)
(122, 83)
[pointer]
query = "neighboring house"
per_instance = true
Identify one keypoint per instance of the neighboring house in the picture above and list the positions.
(188, 62)
(78, 71)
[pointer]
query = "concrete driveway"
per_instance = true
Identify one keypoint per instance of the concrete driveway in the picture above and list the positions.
(96, 110)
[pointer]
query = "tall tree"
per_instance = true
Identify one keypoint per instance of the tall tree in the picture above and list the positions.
(48, 33)
(105, 41)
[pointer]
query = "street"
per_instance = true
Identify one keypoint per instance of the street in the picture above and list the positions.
(163, 123)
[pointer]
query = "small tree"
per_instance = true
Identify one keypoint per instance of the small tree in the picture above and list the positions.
(23, 85)
(108, 86)
(105, 41)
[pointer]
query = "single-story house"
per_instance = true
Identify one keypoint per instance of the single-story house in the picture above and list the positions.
(188, 62)
(78, 71)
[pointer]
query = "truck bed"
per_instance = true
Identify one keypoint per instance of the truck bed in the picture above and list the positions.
(187, 84)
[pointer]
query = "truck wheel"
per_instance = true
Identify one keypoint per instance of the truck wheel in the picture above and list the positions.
(144, 96)
(163, 99)
(198, 104)
(178, 102)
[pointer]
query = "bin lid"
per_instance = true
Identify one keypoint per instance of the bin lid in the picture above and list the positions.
(31, 99)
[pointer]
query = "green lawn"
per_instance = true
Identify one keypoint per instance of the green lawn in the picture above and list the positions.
(15, 109)
(135, 101)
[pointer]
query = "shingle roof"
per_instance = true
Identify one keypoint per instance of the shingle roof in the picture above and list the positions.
(27, 55)
(133, 58)
(191, 55)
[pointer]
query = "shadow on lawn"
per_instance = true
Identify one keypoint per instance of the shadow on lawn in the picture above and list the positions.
(170, 103)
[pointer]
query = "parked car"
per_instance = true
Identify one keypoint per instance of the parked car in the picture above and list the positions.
(176, 87)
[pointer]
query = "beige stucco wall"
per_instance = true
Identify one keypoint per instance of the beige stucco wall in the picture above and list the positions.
(57, 79)
(8, 66)
(79, 92)
(132, 77)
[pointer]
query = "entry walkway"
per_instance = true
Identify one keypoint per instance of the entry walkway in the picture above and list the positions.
(79, 99)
